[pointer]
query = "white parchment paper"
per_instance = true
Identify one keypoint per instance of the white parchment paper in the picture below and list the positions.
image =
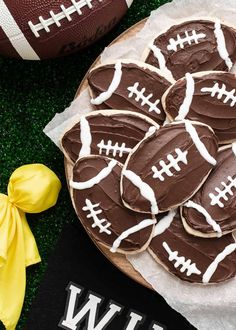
(206, 307)
(211, 307)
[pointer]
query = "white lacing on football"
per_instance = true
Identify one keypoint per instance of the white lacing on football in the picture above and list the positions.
(187, 265)
(173, 164)
(44, 24)
(216, 199)
(188, 39)
(114, 149)
(102, 224)
(145, 100)
(220, 92)
(15, 35)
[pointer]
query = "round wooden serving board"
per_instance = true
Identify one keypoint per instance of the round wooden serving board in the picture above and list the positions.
(117, 259)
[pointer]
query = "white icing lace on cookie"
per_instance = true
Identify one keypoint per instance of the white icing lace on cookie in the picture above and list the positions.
(145, 100)
(234, 148)
(102, 224)
(187, 265)
(145, 190)
(198, 143)
(143, 224)
(104, 173)
(104, 96)
(207, 216)
(188, 39)
(220, 92)
(221, 44)
(114, 149)
(173, 164)
(223, 194)
(220, 257)
(164, 223)
(85, 137)
(157, 53)
(55, 19)
(185, 106)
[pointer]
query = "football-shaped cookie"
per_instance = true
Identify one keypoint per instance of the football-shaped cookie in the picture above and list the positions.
(209, 97)
(192, 259)
(96, 197)
(212, 210)
(129, 85)
(168, 166)
(39, 29)
(110, 133)
(192, 46)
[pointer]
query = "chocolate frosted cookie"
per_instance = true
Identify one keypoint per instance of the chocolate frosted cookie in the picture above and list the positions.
(192, 259)
(95, 188)
(193, 46)
(212, 210)
(208, 97)
(168, 166)
(111, 133)
(128, 85)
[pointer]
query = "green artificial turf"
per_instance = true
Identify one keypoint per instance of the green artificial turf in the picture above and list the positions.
(30, 94)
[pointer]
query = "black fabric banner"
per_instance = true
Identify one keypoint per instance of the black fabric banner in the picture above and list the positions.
(83, 290)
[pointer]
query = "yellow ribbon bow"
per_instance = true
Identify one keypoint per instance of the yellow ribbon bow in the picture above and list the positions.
(31, 189)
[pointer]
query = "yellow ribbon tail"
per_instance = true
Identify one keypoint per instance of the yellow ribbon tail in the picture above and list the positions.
(32, 188)
(5, 227)
(31, 250)
(13, 273)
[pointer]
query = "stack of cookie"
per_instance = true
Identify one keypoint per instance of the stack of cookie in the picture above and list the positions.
(156, 169)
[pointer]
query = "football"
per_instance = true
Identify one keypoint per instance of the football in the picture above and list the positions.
(35, 30)
(192, 46)
(109, 133)
(168, 166)
(208, 97)
(192, 259)
(129, 85)
(95, 189)
(212, 210)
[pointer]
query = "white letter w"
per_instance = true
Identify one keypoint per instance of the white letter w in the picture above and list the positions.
(89, 311)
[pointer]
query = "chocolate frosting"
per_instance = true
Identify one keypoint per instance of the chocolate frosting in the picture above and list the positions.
(201, 251)
(123, 127)
(201, 56)
(100, 78)
(107, 194)
(224, 216)
(205, 108)
(178, 187)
